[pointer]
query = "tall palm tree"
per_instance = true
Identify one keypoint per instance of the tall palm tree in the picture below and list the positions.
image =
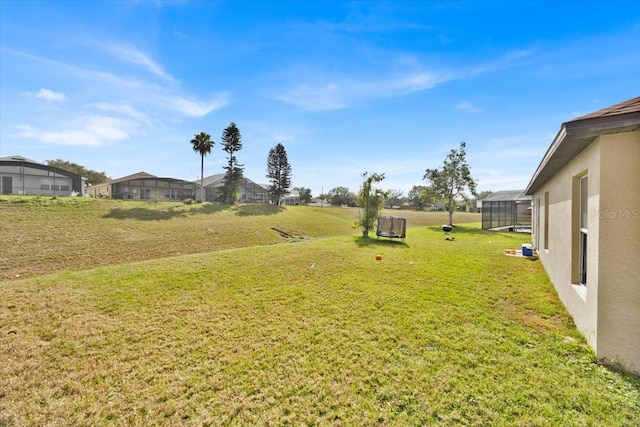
(202, 143)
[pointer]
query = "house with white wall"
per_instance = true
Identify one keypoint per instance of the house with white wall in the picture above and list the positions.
(22, 176)
(586, 227)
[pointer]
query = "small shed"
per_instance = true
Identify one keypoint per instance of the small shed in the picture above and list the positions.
(507, 210)
(392, 227)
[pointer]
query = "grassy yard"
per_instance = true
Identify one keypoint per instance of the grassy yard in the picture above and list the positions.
(47, 235)
(267, 332)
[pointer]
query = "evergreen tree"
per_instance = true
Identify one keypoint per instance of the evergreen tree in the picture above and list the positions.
(278, 172)
(232, 143)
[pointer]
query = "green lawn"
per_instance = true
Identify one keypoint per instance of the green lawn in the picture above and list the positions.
(313, 332)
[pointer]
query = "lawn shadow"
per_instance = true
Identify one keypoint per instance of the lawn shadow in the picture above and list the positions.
(208, 208)
(463, 229)
(370, 241)
(255, 209)
(460, 229)
(143, 214)
(630, 378)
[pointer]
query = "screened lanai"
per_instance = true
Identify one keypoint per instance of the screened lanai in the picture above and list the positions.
(507, 210)
(19, 175)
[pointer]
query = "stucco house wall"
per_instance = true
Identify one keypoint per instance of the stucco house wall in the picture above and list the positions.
(619, 249)
(605, 147)
(557, 257)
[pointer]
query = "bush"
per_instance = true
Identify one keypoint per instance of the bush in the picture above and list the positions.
(188, 201)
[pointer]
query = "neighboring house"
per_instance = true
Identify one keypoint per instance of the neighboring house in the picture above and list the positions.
(19, 175)
(249, 191)
(143, 186)
(586, 227)
(292, 198)
(506, 210)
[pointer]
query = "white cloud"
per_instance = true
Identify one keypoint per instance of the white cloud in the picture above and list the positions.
(50, 95)
(194, 108)
(46, 94)
(83, 73)
(92, 131)
(326, 96)
(408, 76)
(422, 81)
(467, 106)
(498, 179)
(124, 109)
(136, 57)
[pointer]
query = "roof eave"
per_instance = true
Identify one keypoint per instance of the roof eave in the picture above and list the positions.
(574, 137)
(562, 133)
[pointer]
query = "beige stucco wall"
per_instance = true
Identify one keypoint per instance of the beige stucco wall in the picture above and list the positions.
(619, 249)
(607, 310)
(581, 301)
(99, 190)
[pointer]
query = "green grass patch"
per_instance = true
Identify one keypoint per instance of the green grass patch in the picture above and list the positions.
(313, 332)
(47, 234)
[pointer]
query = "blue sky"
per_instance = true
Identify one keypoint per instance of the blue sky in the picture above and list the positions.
(346, 87)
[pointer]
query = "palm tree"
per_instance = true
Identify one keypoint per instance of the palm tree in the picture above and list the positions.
(202, 144)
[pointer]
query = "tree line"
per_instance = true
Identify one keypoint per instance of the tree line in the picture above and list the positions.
(446, 186)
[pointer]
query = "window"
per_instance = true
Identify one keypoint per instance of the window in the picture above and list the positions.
(145, 193)
(582, 237)
(537, 223)
(546, 220)
(45, 184)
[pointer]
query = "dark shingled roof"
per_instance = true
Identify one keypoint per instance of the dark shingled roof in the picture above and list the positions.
(630, 106)
(576, 135)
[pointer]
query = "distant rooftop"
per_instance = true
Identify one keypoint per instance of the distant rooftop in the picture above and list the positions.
(507, 196)
(18, 159)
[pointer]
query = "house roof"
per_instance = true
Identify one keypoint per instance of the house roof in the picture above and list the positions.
(141, 176)
(506, 196)
(18, 159)
(23, 161)
(212, 180)
(137, 175)
(576, 135)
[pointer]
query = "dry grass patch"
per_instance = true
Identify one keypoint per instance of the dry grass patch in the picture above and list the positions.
(45, 235)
